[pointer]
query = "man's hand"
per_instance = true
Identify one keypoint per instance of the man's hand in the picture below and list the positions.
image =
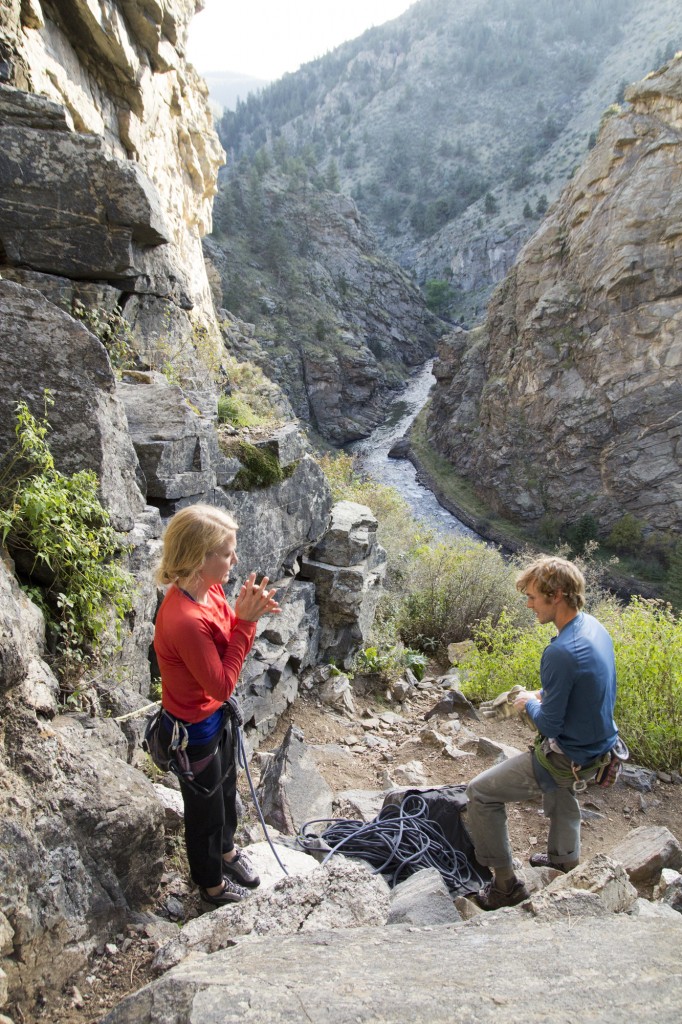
(523, 697)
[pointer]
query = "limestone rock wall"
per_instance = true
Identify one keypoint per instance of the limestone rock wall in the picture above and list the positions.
(107, 139)
(108, 164)
(65, 877)
(569, 401)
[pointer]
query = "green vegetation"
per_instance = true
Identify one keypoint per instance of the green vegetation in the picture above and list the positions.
(261, 467)
(250, 399)
(438, 296)
(440, 592)
(113, 330)
(449, 587)
(65, 548)
(627, 536)
(390, 662)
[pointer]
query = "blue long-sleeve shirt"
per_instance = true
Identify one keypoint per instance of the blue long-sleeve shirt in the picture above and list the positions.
(578, 675)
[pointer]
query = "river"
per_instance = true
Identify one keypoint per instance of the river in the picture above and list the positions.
(372, 456)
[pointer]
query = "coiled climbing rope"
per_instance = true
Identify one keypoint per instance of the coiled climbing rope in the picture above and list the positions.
(402, 839)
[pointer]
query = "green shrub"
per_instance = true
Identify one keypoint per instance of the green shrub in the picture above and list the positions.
(580, 534)
(56, 526)
(626, 535)
(390, 661)
(453, 585)
(647, 636)
(505, 655)
(260, 467)
(236, 411)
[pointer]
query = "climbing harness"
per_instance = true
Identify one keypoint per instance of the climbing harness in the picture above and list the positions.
(401, 840)
(608, 774)
(563, 775)
(172, 757)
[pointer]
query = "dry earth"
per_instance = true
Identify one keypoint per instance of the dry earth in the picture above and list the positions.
(347, 763)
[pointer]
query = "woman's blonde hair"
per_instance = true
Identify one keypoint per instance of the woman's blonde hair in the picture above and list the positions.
(192, 534)
(552, 575)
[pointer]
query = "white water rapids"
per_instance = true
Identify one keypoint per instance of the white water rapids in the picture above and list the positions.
(372, 456)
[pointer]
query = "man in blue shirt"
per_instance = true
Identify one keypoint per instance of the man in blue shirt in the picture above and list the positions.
(573, 713)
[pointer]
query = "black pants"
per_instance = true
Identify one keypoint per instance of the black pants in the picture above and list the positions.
(211, 822)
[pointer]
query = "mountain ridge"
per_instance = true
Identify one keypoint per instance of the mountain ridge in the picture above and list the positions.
(449, 165)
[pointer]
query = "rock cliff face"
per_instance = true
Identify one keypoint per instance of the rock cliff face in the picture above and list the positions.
(108, 163)
(569, 400)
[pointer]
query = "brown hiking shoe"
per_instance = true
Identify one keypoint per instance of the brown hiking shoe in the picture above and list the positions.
(492, 898)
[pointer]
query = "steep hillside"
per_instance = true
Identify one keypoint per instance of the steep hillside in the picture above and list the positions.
(567, 405)
(335, 322)
(455, 125)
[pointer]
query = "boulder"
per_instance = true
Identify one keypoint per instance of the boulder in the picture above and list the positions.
(601, 875)
(360, 804)
(292, 790)
(346, 593)
(568, 903)
(422, 899)
(351, 536)
(443, 974)
(341, 894)
(646, 851)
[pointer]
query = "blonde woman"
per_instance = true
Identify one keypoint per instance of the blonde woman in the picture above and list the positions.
(201, 645)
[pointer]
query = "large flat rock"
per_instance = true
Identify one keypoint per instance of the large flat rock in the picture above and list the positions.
(507, 969)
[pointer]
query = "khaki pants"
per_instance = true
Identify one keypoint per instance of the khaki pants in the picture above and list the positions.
(511, 781)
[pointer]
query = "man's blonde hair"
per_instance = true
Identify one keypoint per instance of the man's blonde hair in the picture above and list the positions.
(192, 534)
(552, 576)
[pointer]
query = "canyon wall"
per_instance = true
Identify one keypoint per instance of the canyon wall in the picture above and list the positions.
(569, 400)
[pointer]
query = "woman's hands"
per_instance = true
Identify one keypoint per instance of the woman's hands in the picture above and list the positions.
(254, 600)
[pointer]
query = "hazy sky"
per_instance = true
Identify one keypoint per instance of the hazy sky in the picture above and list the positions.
(266, 38)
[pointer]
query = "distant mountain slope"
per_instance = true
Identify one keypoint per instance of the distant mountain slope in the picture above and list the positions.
(456, 124)
(334, 321)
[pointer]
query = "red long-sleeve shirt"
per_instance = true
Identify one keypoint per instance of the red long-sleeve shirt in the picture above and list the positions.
(201, 649)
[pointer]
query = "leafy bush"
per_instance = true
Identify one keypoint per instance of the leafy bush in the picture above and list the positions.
(505, 654)
(56, 526)
(647, 636)
(452, 586)
(390, 662)
(236, 411)
(626, 535)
